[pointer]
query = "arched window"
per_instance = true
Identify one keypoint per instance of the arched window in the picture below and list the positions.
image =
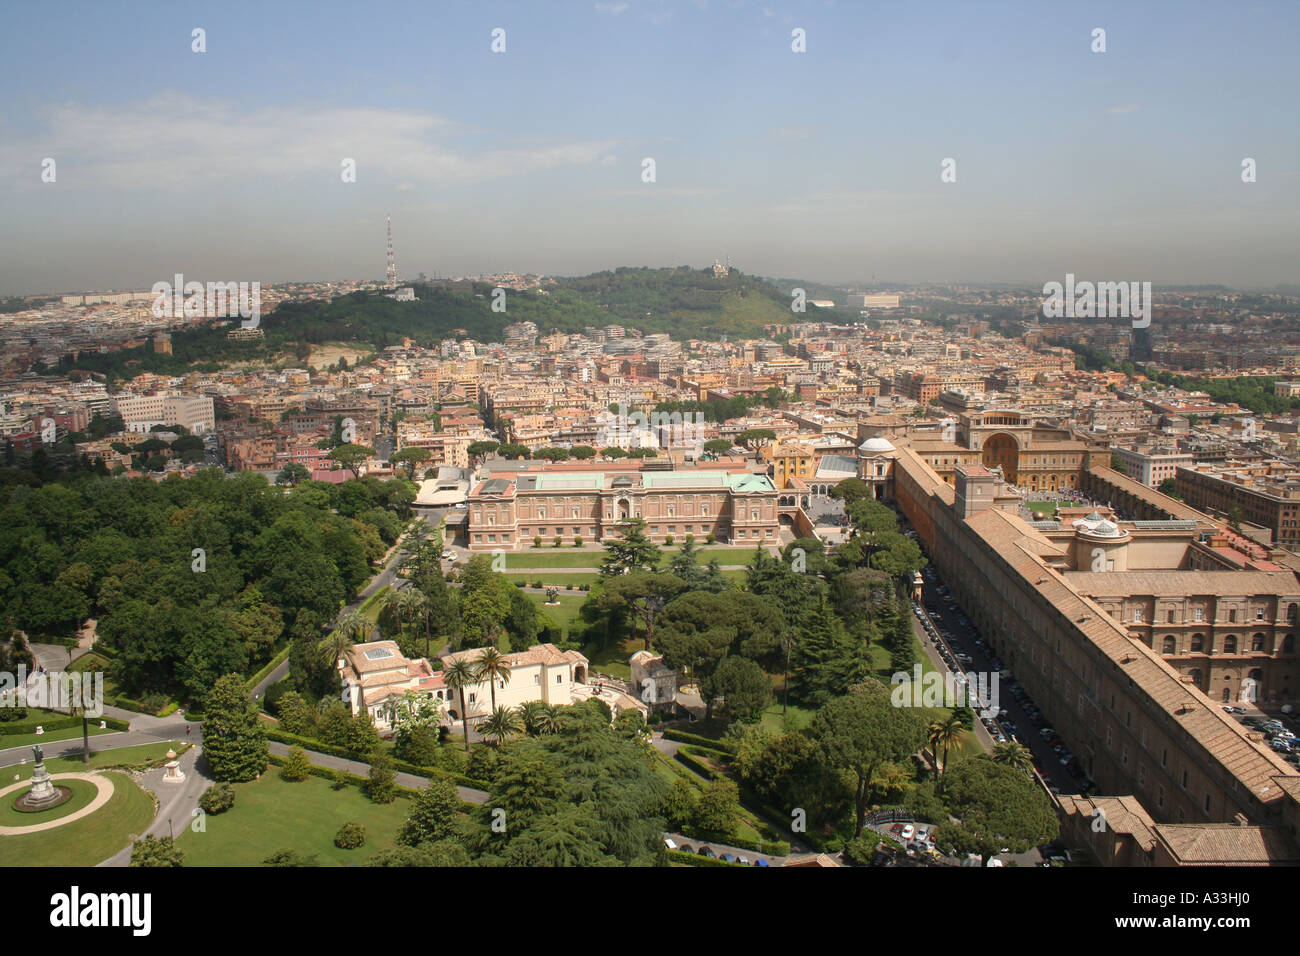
(1291, 612)
(1257, 642)
(1169, 616)
(1198, 643)
(1230, 644)
(1171, 646)
(1232, 616)
(1288, 644)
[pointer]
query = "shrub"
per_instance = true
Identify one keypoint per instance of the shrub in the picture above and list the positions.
(538, 583)
(12, 713)
(350, 836)
(558, 542)
(568, 587)
(218, 798)
(669, 540)
(710, 538)
(690, 539)
(153, 703)
(379, 787)
(296, 766)
(537, 541)
(577, 541)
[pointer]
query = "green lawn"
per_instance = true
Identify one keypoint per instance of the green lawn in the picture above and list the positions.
(121, 757)
(90, 661)
(52, 736)
(566, 613)
(1046, 507)
(612, 659)
(795, 718)
(270, 814)
(557, 578)
(83, 791)
(568, 556)
(90, 840)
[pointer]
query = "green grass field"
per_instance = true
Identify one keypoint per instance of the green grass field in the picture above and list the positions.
(569, 557)
(121, 757)
(270, 814)
(83, 791)
(1046, 507)
(53, 736)
(90, 840)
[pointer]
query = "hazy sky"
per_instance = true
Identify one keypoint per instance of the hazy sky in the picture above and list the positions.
(225, 165)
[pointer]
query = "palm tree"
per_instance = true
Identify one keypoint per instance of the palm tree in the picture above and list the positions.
(493, 667)
(501, 724)
(944, 735)
(411, 603)
(548, 720)
(458, 675)
(1014, 754)
(531, 712)
(351, 624)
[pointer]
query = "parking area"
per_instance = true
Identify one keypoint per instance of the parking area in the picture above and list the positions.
(964, 649)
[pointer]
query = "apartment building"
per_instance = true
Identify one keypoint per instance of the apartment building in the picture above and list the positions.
(1265, 494)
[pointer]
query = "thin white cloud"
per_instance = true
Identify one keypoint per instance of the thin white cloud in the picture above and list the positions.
(175, 141)
(613, 9)
(1126, 108)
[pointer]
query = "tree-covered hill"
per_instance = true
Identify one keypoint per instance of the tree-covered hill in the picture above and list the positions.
(686, 302)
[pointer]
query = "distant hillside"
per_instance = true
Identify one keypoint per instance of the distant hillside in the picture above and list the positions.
(685, 302)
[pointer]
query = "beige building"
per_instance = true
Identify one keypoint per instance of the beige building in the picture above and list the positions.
(376, 676)
(1057, 603)
(543, 672)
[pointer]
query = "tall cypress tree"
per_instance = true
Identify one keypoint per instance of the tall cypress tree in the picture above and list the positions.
(233, 741)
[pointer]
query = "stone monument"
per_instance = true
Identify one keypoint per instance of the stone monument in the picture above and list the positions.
(173, 772)
(43, 794)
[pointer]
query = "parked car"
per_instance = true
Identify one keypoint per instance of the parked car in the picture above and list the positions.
(907, 833)
(1235, 710)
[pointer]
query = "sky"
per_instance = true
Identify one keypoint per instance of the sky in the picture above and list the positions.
(226, 164)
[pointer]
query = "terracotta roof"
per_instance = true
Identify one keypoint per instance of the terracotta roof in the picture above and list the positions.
(1227, 844)
(1210, 729)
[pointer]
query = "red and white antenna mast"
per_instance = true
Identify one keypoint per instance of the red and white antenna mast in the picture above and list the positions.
(392, 263)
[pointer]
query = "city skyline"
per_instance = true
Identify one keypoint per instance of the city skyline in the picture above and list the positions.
(226, 164)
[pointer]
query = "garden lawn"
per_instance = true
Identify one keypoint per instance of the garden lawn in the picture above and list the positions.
(53, 736)
(90, 840)
(122, 757)
(270, 814)
(613, 658)
(548, 556)
(565, 614)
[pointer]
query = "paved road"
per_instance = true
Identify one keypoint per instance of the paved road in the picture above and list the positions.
(385, 578)
(176, 802)
(467, 794)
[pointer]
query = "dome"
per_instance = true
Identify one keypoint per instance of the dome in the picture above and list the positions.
(1107, 528)
(876, 445)
(1093, 517)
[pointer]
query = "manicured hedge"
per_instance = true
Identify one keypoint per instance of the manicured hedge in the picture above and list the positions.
(309, 744)
(681, 736)
(695, 764)
(265, 672)
(694, 859)
(61, 722)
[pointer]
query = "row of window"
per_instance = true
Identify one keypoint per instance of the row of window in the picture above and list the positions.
(1198, 614)
(1258, 643)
